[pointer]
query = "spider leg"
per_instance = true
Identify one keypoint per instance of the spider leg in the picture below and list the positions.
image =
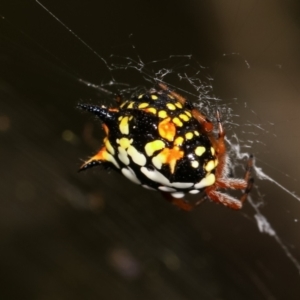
(181, 202)
(221, 171)
(222, 181)
(225, 199)
(231, 183)
(239, 184)
(248, 178)
(219, 144)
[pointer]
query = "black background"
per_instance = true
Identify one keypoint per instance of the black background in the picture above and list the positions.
(95, 235)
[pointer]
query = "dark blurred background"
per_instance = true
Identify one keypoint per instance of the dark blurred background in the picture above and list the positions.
(65, 235)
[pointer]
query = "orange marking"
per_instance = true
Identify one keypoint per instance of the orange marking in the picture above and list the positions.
(113, 109)
(150, 110)
(170, 156)
(167, 129)
(101, 155)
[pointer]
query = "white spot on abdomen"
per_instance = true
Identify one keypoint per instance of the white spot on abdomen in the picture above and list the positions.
(129, 173)
(137, 157)
(157, 162)
(155, 176)
(178, 195)
(166, 189)
(148, 187)
(194, 191)
(111, 159)
(123, 157)
(182, 185)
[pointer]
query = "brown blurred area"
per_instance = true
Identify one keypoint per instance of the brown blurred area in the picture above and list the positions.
(94, 235)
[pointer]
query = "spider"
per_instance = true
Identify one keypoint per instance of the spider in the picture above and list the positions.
(161, 141)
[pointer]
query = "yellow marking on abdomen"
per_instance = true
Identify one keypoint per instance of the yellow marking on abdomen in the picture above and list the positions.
(212, 150)
(210, 166)
(153, 146)
(189, 135)
(143, 105)
(124, 125)
(188, 113)
(130, 105)
(151, 110)
(123, 104)
(184, 117)
(124, 142)
(171, 106)
(162, 114)
(177, 122)
(216, 162)
(200, 150)
(179, 141)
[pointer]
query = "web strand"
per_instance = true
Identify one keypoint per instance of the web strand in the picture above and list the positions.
(186, 70)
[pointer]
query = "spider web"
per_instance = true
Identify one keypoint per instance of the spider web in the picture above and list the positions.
(188, 77)
(185, 70)
(185, 75)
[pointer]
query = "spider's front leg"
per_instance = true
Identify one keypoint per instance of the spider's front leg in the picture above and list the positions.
(222, 180)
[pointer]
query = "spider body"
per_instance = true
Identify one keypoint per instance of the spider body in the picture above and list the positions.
(161, 141)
